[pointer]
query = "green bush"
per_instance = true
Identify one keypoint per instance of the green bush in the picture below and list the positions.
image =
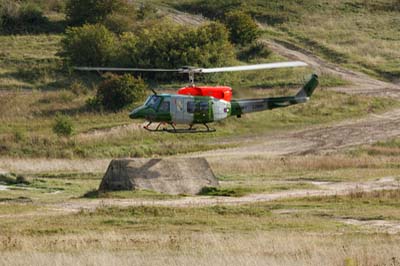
(52, 5)
(81, 12)
(89, 45)
(21, 18)
(170, 46)
(117, 92)
(63, 126)
(119, 23)
(214, 9)
(243, 29)
(161, 45)
(146, 10)
(254, 51)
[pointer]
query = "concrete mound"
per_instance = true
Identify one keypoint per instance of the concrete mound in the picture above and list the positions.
(172, 176)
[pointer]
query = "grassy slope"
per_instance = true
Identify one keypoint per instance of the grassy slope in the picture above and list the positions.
(27, 119)
(362, 35)
(359, 34)
(31, 62)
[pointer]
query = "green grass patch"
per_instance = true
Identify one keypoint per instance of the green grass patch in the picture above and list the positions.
(28, 132)
(134, 194)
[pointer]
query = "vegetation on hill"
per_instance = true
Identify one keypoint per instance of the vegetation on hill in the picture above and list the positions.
(359, 34)
(25, 17)
(33, 62)
(79, 12)
(89, 45)
(116, 92)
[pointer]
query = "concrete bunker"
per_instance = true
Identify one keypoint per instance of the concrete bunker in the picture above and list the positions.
(171, 175)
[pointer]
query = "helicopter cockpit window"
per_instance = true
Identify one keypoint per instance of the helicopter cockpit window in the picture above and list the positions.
(165, 106)
(153, 101)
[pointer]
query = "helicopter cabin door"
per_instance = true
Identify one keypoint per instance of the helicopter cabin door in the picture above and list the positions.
(201, 110)
(180, 114)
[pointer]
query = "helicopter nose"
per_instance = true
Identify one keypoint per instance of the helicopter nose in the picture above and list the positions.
(136, 113)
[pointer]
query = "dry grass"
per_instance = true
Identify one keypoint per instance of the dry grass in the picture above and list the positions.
(254, 165)
(206, 248)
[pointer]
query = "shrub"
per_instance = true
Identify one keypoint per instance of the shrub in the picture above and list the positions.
(254, 51)
(146, 10)
(21, 18)
(117, 92)
(22, 180)
(81, 12)
(19, 135)
(214, 9)
(78, 88)
(243, 30)
(89, 45)
(63, 126)
(174, 46)
(119, 23)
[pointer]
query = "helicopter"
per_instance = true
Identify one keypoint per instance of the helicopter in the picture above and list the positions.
(201, 105)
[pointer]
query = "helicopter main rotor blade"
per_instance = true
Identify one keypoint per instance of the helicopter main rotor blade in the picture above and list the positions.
(198, 70)
(117, 69)
(253, 67)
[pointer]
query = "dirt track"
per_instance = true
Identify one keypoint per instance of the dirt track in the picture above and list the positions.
(327, 138)
(362, 83)
(325, 189)
(319, 139)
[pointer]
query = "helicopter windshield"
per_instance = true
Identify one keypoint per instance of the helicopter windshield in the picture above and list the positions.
(153, 101)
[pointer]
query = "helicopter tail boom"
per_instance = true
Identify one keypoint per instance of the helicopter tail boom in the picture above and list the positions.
(240, 107)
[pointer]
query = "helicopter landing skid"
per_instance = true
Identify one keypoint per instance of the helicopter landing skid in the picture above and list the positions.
(175, 130)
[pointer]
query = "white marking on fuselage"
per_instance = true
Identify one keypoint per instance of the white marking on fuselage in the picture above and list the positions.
(221, 109)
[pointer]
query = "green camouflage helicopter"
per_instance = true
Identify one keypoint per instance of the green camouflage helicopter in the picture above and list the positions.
(204, 104)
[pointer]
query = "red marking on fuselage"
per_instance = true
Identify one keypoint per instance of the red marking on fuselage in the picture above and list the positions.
(220, 92)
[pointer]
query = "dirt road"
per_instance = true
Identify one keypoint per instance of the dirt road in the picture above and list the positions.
(318, 139)
(326, 138)
(324, 189)
(362, 83)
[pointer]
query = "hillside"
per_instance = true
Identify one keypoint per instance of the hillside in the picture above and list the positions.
(311, 184)
(358, 34)
(38, 86)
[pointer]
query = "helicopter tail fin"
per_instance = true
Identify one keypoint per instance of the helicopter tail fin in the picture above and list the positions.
(308, 89)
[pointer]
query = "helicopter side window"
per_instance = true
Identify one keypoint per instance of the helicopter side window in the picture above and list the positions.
(153, 101)
(191, 107)
(203, 107)
(165, 107)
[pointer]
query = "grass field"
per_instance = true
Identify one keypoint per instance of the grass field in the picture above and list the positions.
(57, 217)
(305, 231)
(301, 231)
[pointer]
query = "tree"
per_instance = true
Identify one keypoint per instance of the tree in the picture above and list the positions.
(117, 92)
(174, 46)
(243, 30)
(81, 12)
(89, 45)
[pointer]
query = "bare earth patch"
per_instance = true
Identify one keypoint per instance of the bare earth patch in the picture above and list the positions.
(390, 227)
(325, 189)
